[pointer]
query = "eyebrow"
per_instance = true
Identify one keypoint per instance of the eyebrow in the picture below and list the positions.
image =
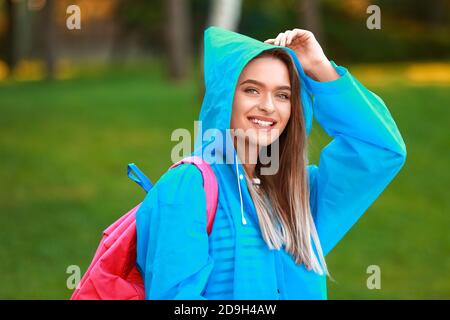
(262, 84)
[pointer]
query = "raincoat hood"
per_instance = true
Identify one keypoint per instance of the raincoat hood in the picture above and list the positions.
(226, 53)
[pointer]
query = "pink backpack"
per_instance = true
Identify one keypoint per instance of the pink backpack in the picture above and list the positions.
(113, 274)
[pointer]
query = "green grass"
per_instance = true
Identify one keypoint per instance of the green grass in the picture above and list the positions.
(64, 147)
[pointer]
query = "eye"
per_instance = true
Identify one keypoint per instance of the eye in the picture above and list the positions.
(251, 91)
(283, 96)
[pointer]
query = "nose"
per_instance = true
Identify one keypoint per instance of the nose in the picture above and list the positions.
(267, 104)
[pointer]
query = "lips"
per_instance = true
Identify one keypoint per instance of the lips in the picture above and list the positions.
(262, 122)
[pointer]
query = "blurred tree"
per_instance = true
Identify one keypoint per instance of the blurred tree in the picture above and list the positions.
(178, 38)
(48, 45)
(142, 23)
(9, 36)
(310, 18)
(263, 19)
(225, 13)
(21, 33)
(438, 11)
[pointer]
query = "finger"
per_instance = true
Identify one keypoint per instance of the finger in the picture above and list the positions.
(302, 32)
(283, 39)
(286, 38)
(277, 39)
(290, 37)
(270, 41)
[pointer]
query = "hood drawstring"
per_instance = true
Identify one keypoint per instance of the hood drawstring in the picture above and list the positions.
(238, 177)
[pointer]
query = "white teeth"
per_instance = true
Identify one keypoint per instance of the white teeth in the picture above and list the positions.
(262, 123)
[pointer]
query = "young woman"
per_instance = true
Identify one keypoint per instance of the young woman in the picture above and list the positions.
(275, 221)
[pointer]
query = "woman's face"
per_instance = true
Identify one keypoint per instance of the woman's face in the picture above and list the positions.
(262, 100)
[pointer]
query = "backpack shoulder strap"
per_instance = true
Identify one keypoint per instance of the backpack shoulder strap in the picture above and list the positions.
(209, 184)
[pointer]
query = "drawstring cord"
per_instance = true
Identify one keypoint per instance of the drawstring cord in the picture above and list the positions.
(244, 222)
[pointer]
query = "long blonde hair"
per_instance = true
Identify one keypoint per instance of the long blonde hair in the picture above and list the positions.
(282, 199)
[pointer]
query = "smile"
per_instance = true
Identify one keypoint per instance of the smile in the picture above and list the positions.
(262, 122)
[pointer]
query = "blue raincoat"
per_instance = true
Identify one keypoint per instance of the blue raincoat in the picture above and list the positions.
(177, 258)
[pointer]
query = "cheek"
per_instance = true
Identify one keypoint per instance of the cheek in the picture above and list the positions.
(241, 106)
(285, 114)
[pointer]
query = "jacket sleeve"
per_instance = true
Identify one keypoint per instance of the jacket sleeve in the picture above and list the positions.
(172, 241)
(365, 154)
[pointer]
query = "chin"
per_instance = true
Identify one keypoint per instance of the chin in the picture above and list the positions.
(260, 138)
(263, 140)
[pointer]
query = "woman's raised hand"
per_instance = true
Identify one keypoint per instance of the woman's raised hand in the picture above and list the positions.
(308, 51)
